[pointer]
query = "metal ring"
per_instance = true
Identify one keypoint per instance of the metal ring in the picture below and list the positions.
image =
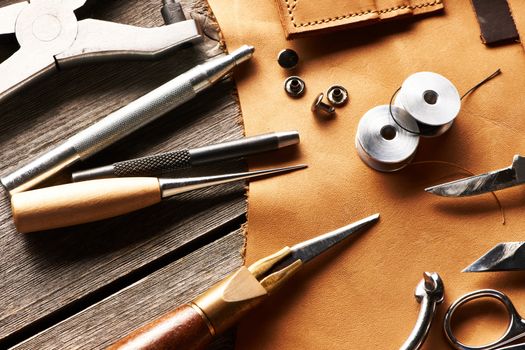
(514, 330)
(337, 95)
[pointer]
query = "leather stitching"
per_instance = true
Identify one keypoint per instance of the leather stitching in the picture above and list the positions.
(291, 9)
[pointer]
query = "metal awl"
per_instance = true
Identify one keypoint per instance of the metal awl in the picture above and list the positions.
(87, 201)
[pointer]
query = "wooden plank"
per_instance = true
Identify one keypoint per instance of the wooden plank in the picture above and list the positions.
(109, 320)
(45, 272)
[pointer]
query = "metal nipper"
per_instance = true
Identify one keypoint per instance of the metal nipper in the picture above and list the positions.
(51, 37)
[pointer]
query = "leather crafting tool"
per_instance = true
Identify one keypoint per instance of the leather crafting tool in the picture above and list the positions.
(508, 256)
(185, 158)
(488, 182)
(430, 292)
(193, 325)
(87, 201)
(51, 38)
(514, 331)
(126, 120)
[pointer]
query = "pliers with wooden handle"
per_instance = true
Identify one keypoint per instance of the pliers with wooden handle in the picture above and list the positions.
(51, 37)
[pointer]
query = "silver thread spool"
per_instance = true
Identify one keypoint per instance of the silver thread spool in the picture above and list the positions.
(381, 143)
(432, 100)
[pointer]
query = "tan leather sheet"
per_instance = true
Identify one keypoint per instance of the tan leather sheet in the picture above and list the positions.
(360, 296)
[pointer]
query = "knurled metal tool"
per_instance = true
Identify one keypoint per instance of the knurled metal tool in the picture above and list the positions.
(51, 37)
(488, 182)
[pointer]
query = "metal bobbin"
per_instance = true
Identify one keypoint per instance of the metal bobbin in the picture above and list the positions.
(431, 100)
(381, 143)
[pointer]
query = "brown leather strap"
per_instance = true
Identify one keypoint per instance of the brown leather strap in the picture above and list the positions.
(496, 22)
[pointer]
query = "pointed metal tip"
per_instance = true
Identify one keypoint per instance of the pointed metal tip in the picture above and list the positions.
(374, 217)
(441, 190)
(258, 173)
(287, 138)
(475, 267)
(311, 248)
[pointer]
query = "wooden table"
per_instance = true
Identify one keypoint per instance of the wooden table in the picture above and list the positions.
(86, 286)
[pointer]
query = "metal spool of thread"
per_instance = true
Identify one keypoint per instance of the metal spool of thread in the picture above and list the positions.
(432, 100)
(381, 143)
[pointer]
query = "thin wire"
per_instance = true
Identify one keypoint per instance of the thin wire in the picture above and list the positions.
(490, 77)
(394, 119)
(500, 206)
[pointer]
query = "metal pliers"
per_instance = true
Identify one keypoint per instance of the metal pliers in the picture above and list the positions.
(50, 37)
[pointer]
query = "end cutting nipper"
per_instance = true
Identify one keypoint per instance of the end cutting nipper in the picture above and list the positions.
(51, 36)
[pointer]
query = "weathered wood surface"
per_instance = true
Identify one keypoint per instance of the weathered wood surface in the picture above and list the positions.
(109, 320)
(48, 276)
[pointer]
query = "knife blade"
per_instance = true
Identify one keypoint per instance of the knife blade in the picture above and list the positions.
(507, 256)
(484, 183)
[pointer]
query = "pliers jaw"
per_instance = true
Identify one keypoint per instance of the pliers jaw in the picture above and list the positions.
(50, 36)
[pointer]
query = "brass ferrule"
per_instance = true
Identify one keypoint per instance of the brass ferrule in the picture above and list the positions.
(229, 300)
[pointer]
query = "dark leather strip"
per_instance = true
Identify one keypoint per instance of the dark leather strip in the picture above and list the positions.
(496, 22)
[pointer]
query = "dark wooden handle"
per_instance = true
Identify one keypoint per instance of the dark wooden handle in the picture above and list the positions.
(181, 329)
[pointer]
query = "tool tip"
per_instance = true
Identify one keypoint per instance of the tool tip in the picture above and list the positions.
(243, 53)
(371, 219)
(287, 138)
(442, 191)
(472, 268)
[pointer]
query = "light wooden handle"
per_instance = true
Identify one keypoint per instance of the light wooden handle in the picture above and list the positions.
(181, 329)
(82, 202)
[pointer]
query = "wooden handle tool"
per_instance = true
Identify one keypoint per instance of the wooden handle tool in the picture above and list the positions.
(183, 328)
(192, 326)
(88, 201)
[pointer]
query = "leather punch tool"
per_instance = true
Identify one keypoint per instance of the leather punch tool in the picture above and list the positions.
(51, 37)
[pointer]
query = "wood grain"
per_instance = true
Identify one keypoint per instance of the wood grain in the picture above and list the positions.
(46, 273)
(78, 203)
(161, 292)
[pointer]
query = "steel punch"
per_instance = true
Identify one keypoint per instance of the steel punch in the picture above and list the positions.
(51, 38)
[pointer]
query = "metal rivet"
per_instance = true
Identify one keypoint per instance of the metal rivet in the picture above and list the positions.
(288, 58)
(321, 108)
(337, 95)
(294, 86)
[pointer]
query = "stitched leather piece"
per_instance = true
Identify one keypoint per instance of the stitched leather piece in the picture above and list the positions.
(303, 17)
(517, 7)
(495, 21)
(361, 295)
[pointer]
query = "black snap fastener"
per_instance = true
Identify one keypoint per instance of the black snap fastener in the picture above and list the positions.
(288, 58)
